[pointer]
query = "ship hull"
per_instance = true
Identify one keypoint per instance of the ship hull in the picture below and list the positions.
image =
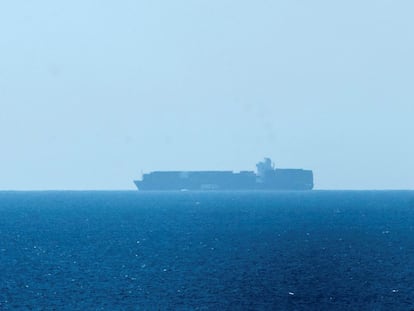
(276, 180)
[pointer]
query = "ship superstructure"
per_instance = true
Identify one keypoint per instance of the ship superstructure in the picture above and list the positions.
(267, 177)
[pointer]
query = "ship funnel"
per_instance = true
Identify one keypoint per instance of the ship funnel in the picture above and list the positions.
(264, 166)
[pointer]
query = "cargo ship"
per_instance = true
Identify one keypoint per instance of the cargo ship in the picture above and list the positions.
(267, 177)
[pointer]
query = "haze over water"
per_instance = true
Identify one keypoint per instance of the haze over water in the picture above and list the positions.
(93, 92)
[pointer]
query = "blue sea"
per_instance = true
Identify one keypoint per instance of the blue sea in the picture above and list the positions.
(317, 250)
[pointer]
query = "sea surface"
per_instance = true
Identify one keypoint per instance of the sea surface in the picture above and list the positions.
(318, 250)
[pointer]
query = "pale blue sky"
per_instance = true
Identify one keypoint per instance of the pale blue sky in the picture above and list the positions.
(93, 92)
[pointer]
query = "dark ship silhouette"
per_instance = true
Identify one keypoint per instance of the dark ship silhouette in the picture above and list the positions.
(267, 177)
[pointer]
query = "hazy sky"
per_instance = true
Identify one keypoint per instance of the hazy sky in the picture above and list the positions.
(93, 92)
